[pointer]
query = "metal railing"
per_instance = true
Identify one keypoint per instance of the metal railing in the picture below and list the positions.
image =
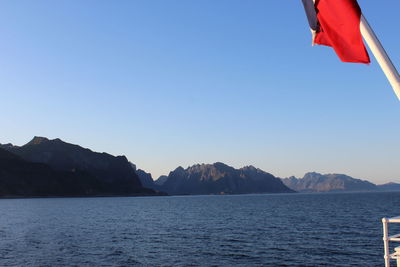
(390, 238)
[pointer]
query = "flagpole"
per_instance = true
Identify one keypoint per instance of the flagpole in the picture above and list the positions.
(381, 56)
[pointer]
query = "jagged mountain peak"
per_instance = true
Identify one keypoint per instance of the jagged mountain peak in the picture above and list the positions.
(37, 140)
(312, 174)
(39, 143)
(250, 167)
(179, 169)
(40, 140)
(7, 146)
(221, 165)
(217, 166)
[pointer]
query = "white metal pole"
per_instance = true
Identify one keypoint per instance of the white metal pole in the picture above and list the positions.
(381, 56)
(386, 241)
(397, 256)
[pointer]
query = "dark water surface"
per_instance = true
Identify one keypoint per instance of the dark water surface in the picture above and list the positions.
(241, 230)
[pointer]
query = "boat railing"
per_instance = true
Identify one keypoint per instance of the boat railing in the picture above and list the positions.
(390, 238)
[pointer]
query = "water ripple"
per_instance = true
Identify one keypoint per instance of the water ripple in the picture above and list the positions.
(246, 230)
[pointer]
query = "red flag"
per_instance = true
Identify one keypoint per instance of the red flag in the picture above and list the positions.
(337, 24)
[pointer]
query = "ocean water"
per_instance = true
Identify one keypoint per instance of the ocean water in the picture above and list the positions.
(239, 230)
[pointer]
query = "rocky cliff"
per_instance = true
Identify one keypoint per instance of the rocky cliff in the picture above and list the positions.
(219, 178)
(103, 173)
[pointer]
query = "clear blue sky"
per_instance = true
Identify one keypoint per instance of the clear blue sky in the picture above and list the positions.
(169, 83)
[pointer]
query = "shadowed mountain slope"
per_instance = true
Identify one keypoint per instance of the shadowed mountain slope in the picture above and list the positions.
(115, 174)
(20, 178)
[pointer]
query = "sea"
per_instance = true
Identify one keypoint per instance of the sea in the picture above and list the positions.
(330, 229)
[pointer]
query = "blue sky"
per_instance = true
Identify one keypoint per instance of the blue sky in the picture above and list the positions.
(179, 82)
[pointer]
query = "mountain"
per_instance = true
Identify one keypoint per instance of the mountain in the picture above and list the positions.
(20, 178)
(219, 178)
(316, 182)
(389, 187)
(161, 180)
(6, 155)
(145, 178)
(114, 175)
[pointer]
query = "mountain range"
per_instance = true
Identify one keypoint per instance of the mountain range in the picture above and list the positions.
(389, 187)
(208, 179)
(219, 178)
(316, 182)
(46, 167)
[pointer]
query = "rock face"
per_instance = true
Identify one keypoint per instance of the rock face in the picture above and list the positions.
(161, 180)
(316, 182)
(389, 187)
(20, 178)
(109, 175)
(147, 181)
(219, 178)
(145, 178)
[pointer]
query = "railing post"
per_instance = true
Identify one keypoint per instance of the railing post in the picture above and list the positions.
(386, 242)
(397, 253)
